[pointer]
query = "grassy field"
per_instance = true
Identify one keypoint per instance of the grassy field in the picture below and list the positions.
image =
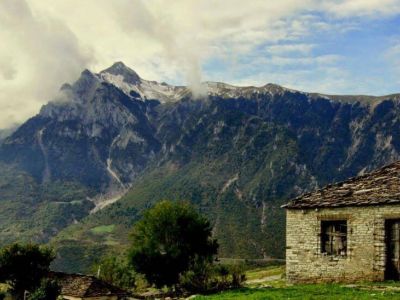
(269, 283)
(103, 229)
(304, 292)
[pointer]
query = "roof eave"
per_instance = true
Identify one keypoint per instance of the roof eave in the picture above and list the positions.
(288, 206)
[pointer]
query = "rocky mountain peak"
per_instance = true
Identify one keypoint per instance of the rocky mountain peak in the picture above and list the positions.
(86, 83)
(120, 69)
(276, 89)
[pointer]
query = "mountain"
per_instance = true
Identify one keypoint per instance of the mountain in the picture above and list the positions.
(112, 144)
(7, 132)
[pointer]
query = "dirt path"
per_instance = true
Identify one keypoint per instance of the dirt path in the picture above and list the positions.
(264, 279)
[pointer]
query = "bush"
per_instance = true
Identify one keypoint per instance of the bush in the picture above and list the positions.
(116, 271)
(2, 295)
(198, 279)
(23, 267)
(238, 277)
(205, 277)
(48, 290)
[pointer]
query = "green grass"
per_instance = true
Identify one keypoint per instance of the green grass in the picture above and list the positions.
(304, 292)
(3, 287)
(260, 273)
(267, 289)
(102, 229)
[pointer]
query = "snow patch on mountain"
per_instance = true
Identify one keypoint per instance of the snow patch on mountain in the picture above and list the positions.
(230, 91)
(128, 81)
(147, 90)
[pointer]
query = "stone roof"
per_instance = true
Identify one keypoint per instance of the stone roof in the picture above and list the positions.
(381, 186)
(82, 286)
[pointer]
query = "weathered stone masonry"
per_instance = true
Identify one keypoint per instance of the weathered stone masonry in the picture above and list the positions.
(366, 253)
(348, 231)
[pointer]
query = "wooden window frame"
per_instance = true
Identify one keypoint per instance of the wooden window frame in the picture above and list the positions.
(334, 237)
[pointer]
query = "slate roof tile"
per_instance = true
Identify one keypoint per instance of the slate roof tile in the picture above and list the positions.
(82, 286)
(381, 186)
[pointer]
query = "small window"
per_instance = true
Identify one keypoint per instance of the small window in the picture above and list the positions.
(334, 238)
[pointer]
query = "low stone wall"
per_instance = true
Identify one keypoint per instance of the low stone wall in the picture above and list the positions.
(366, 249)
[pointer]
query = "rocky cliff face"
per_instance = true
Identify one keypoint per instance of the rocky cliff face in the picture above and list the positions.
(237, 154)
(87, 136)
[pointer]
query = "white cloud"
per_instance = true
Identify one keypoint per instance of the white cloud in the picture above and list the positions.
(48, 42)
(304, 61)
(392, 56)
(370, 8)
(37, 54)
(290, 49)
(328, 79)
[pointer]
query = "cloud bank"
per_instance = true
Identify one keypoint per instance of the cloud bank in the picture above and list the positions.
(47, 43)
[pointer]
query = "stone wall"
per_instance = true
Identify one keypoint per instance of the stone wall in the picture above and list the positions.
(365, 259)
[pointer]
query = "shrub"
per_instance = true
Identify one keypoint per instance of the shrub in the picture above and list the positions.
(22, 267)
(198, 279)
(117, 271)
(238, 276)
(48, 290)
(205, 277)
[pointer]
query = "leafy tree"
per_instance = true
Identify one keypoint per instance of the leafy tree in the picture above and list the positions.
(117, 271)
(23, 267)
(48, 290)
(168, 240)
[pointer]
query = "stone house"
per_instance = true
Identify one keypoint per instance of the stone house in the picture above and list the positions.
(346, 232)
(78, 286)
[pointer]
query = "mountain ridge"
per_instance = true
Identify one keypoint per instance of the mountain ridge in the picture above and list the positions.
(236, 154)
(212, 88)
(268, 87)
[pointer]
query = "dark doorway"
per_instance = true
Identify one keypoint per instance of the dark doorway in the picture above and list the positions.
(392, 233)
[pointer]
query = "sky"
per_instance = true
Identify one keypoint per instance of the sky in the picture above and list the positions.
(332, 46)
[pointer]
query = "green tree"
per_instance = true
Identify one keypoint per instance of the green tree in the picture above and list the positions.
(117, 271)
(167, 241)
(48, 290)
(23, 267)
